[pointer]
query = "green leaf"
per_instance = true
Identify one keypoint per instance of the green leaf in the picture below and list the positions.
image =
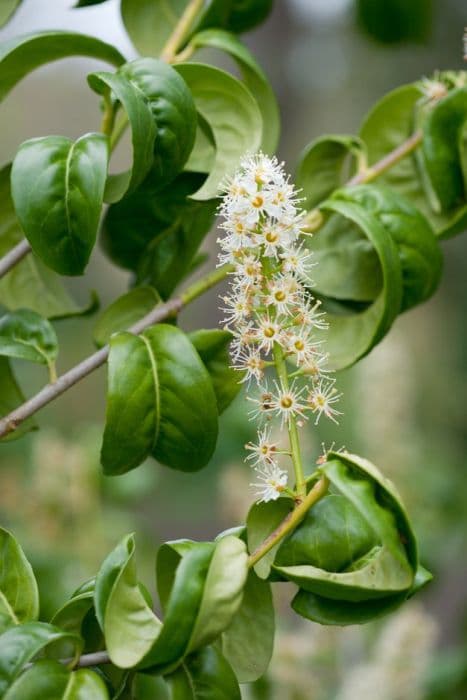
(173, 111)
(160, 401)
(213, 348)
(207, 675)
(232, 114)
(200, 586)
(356, 546)
(248, 642)
(7, 10)
(29, 284)
(263, 519)
(114, 86)
(128, 623)
(10, 398)
(21, 55)
(157, 232)
(87, 3)
(19, 596)
(124, 312)
(28, 336)
(57, 187)
(20, 644)
(350, 336)
(74, 615)
(253, 76)
(443, 133)
(149, 23)
(51, 679)
(389, 123)
(247, 14)
(325, 165)
(396, 21)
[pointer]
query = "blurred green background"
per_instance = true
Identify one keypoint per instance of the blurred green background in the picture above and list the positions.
(404, 405)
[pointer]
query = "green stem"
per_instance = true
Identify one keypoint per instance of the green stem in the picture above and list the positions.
(181, 30)
(205, 283)
(118, 131)
(290, 521)
(281, 369)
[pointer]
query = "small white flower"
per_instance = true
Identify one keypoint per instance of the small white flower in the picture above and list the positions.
(264, 451)
(267, 333)
(238, 309)
(272, 481)
(250, 362)
(301, 346)
(287, 402)
(321, 400)
(298, 261)
(283, 293)
(263, 404)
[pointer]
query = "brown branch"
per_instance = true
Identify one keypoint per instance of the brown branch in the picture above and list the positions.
(14, 256)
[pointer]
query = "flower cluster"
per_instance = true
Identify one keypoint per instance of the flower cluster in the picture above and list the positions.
(269, 310)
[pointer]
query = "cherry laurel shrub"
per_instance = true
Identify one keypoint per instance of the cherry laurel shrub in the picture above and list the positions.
(318, 271)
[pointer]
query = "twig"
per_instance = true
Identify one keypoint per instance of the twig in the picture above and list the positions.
(14, 256)
(388, 161)
(10, 423)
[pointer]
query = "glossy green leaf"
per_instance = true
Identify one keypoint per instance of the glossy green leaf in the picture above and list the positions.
(351, 335)
(52, 680)
(21, 55)
(19, 596)
(149, 23)
(347, 264)
(157, 232)
(355, 546)
(20, 644)
(26, 335)
(73, 617)
(200, 585)
(248, 642)
(173, 111)
(7, 10)
(11, 397)
(247, 14)
(213, 348)
(149, 687)
(128, 623)
(87, 3)
(232, 114)
(206, 675)
(396, 21)
(29, 284)
(263, 518)
(253, 76)
(57, 187)
(160, 401)
(327, 611)
(443, 141)
(389, 123)
(325, 165)
(124, 312)
(114, 86)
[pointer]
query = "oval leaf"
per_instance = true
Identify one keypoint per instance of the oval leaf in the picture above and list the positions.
(232, 114)
(57, 187)
(19, 595)
(30, 283)
(173, 111)
(21, 55)
(253, 76)
(20, 644)
(206, 674)
(28, 336)
(160, 401)
(51, 679)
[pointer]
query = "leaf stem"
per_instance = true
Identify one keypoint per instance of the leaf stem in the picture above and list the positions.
(391, 159)
(14, 256)
(50, 392)
(182, 28)
(281, 369)
(290, 521)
